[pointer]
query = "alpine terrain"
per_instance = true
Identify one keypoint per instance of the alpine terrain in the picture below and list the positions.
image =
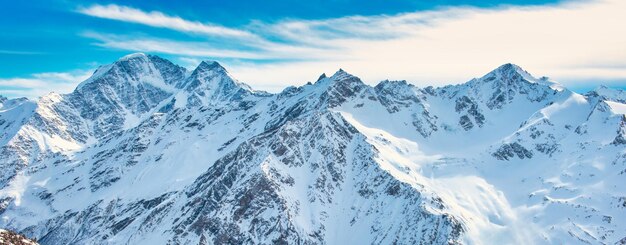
(147, 152)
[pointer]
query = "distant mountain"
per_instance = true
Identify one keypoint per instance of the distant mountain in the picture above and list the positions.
(146, 152)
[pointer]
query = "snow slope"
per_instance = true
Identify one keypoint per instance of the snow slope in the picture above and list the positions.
(145, 152)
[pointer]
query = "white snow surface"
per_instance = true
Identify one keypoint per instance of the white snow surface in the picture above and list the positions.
(509, 158)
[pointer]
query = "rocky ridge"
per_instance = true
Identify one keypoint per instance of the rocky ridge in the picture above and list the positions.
(159, 154)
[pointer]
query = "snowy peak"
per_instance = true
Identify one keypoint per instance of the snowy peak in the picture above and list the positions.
(511, 74)
(210, 66)
(505, 76)
(321, 77)
(124, 91)
(508, 82)
(207, 75)
(208, 70)
(398, 90)
(395, 95)
(509, 71)
(394, 84)
(136, 70)
(606, 93)
(341, 75)
(340, 87)
(211, 84)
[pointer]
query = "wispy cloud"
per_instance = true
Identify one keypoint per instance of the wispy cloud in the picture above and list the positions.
(271, 51)
(42, 83)
(253, 42)
(453, 45)
(167, 46)
(158, 19)
(428, 47)
(18, 52)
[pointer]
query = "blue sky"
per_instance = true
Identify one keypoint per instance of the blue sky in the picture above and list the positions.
(53, 45)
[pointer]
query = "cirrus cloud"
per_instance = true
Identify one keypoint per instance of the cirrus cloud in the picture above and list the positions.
(569, 42)
(158, 19)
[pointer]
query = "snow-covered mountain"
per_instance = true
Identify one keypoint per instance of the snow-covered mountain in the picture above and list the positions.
(146, 152)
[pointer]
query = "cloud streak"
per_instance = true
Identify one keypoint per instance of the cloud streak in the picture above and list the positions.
(16, 52)
(42, 83)
(444, 46)
(167, 46)
(271, 51)
(158, 19)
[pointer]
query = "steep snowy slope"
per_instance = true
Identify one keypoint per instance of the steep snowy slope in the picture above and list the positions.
(144, 152)
(13, 114)
(113, 99)
(563, 177)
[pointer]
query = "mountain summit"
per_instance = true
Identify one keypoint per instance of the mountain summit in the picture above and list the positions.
(146, 152)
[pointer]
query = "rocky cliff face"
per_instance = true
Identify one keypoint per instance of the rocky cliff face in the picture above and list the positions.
(144, 152)
(12, 238)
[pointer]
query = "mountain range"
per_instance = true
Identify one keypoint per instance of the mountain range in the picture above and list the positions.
(147, 152)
